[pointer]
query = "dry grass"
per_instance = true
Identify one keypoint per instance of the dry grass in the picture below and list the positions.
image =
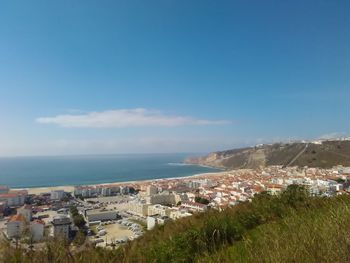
(290, 228)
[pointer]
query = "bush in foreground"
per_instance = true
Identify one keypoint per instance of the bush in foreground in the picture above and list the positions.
(292, 227)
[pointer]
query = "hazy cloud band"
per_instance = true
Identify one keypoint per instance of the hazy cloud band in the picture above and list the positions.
(122, 118)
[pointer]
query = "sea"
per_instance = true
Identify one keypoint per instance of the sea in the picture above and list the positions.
(29, 172)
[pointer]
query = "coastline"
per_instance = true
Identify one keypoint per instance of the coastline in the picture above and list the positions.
(70, 188)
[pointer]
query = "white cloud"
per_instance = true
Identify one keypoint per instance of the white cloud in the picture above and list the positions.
(124, 118)
(160, 144)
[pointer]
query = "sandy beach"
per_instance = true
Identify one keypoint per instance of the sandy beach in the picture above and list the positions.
(70, 188)
(40, 190)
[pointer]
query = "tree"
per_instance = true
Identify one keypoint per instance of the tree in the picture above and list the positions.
(295, 195)
(201, 200)
(79, 221)
(79, 238)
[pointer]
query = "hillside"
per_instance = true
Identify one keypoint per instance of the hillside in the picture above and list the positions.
(292, 227)
(325, 155)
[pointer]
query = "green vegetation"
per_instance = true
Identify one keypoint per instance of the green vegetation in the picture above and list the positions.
(79, 238)
(325, 155)
(140, 222)
(201, 200)
(319, 236)
(78, 219)
(94, 229)
(292, 227)
(339, 180)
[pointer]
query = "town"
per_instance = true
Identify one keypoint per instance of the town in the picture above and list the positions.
(109, 215)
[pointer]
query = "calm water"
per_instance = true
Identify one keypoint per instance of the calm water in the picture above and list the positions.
(76, 170)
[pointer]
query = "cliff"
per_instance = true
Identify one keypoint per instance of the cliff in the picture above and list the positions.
(324, 154)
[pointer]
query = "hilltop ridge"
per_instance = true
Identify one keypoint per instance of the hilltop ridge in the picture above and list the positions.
(321, 153)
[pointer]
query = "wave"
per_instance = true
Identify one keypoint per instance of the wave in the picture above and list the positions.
(178, 164)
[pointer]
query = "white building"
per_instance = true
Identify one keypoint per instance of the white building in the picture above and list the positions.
(178, 213)
(106, 191)
(152, 190)
(152, 221)
(37, 230)
(16, 226)
(57, 194)
(61, 226)
(195, 184)
(26, 212)
(13, 199)
(88, 192)
(163, 199)
(4, 189)
(274, 189)
(195, 207)
(100, 215)
(335, 187)
(158, 210)
(137, 208)
(85, 191)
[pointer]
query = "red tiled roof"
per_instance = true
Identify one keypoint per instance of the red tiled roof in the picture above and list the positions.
(38, 221)
(22, 192)
(274, 186)
(15, 218)
(8, 195)
(193, 204)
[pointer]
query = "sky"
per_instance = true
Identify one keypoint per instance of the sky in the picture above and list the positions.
(103, 77)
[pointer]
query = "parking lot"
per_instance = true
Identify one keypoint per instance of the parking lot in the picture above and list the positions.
(116, 232)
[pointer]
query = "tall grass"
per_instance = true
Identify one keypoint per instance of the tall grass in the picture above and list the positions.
(315, 235)
(292, 227)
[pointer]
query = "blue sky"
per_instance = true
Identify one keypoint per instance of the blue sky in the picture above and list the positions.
(170, 76)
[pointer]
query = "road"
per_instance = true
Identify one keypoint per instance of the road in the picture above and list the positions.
(298, 155)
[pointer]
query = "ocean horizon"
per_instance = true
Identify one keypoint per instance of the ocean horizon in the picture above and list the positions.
(45, 171)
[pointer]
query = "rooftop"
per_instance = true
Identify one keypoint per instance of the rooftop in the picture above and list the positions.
(61, 220)
(16, 218)
(38, 221)
(8, 195)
